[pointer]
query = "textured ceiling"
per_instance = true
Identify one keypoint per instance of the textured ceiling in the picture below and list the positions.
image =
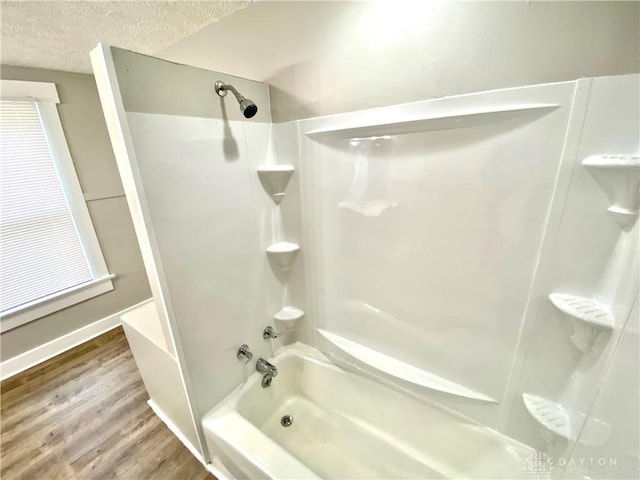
(58, 35)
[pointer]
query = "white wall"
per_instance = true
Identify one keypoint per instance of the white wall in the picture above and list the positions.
(329, 57)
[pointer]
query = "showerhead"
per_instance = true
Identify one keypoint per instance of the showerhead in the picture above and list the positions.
(247, 107)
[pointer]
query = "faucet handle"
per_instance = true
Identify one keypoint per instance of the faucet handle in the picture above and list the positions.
(269, 332)
(244, 353)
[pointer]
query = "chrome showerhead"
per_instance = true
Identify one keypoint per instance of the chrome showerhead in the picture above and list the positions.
(247, 107)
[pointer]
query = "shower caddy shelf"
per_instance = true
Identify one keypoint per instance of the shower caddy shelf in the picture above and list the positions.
(289, 314)
(550, 415)
(590, 318)
(274, 180)
(283, 254)
(619, 178)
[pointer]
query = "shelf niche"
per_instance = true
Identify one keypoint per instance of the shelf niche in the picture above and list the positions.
(282, 254)
(590, 318)
(274, 180)
(619, 178)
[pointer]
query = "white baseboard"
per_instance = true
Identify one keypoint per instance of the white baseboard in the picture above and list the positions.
(33, 357)
(217, 472)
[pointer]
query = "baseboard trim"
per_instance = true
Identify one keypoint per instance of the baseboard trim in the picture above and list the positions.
(217, 472)
(41, 353)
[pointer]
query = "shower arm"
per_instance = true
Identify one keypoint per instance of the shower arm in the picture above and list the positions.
(247, 107)
(221, 89)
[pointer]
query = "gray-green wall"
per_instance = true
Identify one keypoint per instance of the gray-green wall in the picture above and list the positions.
(86, 134)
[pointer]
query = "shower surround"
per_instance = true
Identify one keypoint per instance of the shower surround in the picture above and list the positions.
(451, 262)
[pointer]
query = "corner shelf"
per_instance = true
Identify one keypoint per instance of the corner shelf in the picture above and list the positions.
(566, 424)
(402, 370)
(589, 318)
(619, 177)
(289, 314)
(274, 180)
(549, 414)
(283, 254)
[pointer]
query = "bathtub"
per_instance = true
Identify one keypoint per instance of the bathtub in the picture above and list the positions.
(347, 426)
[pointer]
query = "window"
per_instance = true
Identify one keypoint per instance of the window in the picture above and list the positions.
(49, 253)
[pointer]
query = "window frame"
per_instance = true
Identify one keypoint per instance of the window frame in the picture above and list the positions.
(46, 98)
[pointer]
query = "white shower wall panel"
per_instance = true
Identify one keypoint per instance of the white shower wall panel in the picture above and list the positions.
(616, 409)
(587, 255)
(188, 159)
(196, 178)
(425, 222)
(278, 223)
(431, 235)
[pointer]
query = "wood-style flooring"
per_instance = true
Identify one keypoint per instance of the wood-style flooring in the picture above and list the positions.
(83, 415)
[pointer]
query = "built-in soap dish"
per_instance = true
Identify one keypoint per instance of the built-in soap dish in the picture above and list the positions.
(590, 318)
(282, 254)
(560, 422)
(550, 415)
(274, 180)
(619, 177)
(288, 315)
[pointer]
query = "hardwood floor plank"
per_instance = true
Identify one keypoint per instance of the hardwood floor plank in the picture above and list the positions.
(83, 415)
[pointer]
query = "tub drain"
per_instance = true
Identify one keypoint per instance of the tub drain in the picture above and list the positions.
(286, 421)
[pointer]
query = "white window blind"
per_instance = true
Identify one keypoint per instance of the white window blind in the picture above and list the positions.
(40, 249)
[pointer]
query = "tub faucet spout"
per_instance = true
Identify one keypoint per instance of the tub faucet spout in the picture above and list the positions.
(265, 367)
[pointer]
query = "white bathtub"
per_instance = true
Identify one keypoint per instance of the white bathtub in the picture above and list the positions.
(346, 426)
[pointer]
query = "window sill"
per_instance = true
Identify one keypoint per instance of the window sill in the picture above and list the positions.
(44, 306)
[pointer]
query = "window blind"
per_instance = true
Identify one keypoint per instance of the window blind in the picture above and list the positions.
(40, 250)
